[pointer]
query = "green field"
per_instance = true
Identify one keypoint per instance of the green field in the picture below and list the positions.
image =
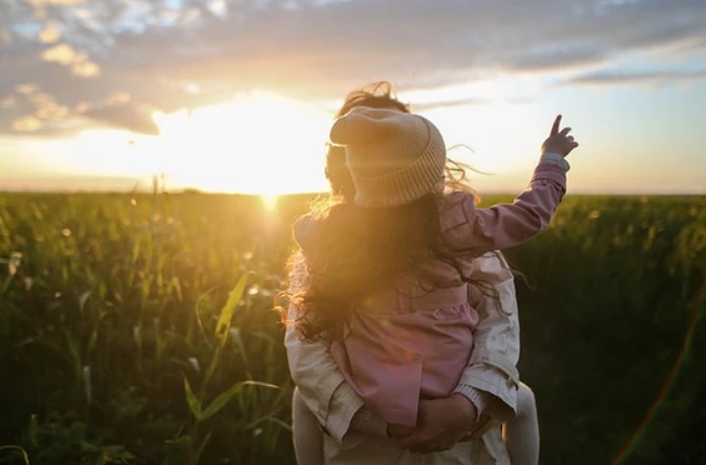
(121, 341)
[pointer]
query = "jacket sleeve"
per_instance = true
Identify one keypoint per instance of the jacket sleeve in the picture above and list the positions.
(496, 350)
(507, 225)
(314, 371)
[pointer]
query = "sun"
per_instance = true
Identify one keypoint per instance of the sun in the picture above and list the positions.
(265, 144)
(269, 201)
(258, 143)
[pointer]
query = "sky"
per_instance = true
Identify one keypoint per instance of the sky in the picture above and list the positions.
(239, 95)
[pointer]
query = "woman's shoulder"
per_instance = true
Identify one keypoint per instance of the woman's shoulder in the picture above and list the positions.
(492, 267)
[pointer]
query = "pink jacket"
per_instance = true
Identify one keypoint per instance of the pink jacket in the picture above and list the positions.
(407, 342)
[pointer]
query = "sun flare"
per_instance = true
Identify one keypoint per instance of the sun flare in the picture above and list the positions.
(269, 201)
(264, 144)
(258, 143)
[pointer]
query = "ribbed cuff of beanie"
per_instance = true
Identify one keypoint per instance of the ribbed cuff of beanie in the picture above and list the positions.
(554, 159)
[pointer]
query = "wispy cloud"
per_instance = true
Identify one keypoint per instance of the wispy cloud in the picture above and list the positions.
(167, 54)
(656, 78)
(125, 115)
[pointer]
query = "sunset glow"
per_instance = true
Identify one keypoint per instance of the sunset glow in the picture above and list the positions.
(258, 143)
(239, 96)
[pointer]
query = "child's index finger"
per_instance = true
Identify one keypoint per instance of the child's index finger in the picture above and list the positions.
(555, 126)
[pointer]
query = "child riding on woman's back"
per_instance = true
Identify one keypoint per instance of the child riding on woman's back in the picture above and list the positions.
(388, 275)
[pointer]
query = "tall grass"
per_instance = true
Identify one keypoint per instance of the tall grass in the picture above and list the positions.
(136, 330)
(139, 329)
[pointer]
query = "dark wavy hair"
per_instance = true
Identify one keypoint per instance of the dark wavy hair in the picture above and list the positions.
(360, 250)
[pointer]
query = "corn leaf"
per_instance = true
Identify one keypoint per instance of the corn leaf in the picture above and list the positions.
(227, 311)
(225, 397)
(192, 400)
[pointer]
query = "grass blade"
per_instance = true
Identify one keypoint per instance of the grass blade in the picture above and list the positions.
(19, 449)
(192, 400)
(223, 398)
(227, 311)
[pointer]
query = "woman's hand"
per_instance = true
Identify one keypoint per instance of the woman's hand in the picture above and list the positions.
(559, 142)
(442, 423)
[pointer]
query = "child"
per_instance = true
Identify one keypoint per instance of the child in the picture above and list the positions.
(388, 276)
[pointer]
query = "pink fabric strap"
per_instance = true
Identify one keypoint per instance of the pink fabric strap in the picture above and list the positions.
(409, 300)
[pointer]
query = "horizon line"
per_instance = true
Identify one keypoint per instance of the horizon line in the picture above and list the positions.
(193, 190)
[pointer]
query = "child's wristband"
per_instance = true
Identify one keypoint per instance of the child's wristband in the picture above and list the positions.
(554, 159)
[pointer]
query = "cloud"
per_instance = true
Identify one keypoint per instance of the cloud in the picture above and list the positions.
(27, 123)
(65, 55)
(421, 107)
(124, 115)
(49, 34)
(558, 57)
(159, 51)
(45, 3)
(35, 111)
(5, 38)
(46, 107)
(655, 78)
(8, 102)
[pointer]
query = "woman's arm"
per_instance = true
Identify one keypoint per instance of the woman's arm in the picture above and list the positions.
(314, 371)
(489, 382)
(322, 386)
(491, 378)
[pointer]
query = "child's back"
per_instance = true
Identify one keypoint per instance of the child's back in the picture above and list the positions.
(412, 336)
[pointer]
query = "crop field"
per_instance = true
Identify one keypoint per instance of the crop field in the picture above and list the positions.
(140, 329)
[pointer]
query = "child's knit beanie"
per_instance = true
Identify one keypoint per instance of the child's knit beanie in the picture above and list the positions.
(394, 157)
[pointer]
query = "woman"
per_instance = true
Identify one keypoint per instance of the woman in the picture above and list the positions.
(487, 389)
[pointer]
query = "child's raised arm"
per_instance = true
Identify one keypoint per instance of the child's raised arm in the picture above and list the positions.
(477, 230)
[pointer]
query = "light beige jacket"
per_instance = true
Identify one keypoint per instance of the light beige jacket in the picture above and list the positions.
(491, 368)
